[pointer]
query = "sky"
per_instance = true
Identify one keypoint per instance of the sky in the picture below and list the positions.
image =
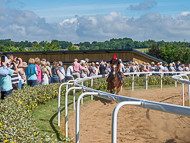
(83, 20)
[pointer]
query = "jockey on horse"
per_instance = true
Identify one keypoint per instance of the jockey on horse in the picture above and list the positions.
(117, 80)
(116, 61)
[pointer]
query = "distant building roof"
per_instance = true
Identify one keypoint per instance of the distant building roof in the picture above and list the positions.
(83, 52)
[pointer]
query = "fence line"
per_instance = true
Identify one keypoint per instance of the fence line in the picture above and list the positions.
(118, 98)
(164, 107)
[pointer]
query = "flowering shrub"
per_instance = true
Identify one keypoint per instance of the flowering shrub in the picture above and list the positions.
(16, 123)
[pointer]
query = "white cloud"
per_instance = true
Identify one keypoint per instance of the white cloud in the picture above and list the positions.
(185, 13)
(146, 4)
(26, 25)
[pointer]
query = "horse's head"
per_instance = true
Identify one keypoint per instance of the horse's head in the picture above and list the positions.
(114, 69)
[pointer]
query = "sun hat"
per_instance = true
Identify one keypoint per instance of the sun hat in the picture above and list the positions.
(7, 60)
(87, 59)
(97, 63)
(24, 64)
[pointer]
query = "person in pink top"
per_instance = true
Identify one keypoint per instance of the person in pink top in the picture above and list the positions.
(76, 69)
(37, 63)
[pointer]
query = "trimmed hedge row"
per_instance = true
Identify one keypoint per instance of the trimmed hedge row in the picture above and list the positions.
(152, 80)
(16, 124)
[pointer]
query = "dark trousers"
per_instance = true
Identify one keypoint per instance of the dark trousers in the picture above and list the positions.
(55, 79)
(5, 93)
(31, 82)
(15, 86)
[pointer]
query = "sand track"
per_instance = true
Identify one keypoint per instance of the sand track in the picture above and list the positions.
(135, 124)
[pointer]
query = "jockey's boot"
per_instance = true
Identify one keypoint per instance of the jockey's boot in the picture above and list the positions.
(121, 80)
(108, 78)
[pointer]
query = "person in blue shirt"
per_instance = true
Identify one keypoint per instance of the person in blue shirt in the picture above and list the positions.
(31, 72)
(5, 81)
(166, 69)
(4, 71)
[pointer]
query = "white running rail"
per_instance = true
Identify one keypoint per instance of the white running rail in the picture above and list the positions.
(110, 96)
(180, 78)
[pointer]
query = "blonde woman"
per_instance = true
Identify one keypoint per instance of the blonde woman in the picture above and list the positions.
(31, 73)
(37, 63)
(45, 74)
(49, 70)
(84, 71)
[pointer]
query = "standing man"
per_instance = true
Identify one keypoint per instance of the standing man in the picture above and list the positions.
(14, 76)
(69, 72)
(5, 81)
(102, 68)
(76, 69)
(122, 66)
(177, 66)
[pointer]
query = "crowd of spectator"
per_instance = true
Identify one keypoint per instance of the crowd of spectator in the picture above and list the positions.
(14, 73)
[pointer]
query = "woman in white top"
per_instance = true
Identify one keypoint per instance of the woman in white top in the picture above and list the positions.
(84, 71)
(45, 74)
(97, 68)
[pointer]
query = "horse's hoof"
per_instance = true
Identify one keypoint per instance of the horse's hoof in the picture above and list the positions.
(113, 92)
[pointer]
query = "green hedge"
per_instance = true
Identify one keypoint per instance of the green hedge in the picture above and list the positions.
(152, 80)
(16, 124)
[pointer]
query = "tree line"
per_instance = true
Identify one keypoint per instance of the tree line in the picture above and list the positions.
(171, 53)
(167, 51)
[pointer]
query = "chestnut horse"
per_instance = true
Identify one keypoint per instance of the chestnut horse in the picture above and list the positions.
(113, 81)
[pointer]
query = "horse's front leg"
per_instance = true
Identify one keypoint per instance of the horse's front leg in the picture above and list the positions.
(115, 88)
(119, 88)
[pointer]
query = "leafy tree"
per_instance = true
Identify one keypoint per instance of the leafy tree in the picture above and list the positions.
(82, 48)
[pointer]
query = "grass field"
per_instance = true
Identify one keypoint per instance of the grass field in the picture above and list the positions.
(45, 116)
(144, 50)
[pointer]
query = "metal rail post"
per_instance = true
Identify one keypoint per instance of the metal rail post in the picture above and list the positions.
(146, 81)
(59, 99)
(92, 87)
(66, 109)
(175, 83)
(114, 117)
(189, 94)
(77, 112)
(73, 99)
(133, 82)
(81, 93)
(183, 93)
(161, 80)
